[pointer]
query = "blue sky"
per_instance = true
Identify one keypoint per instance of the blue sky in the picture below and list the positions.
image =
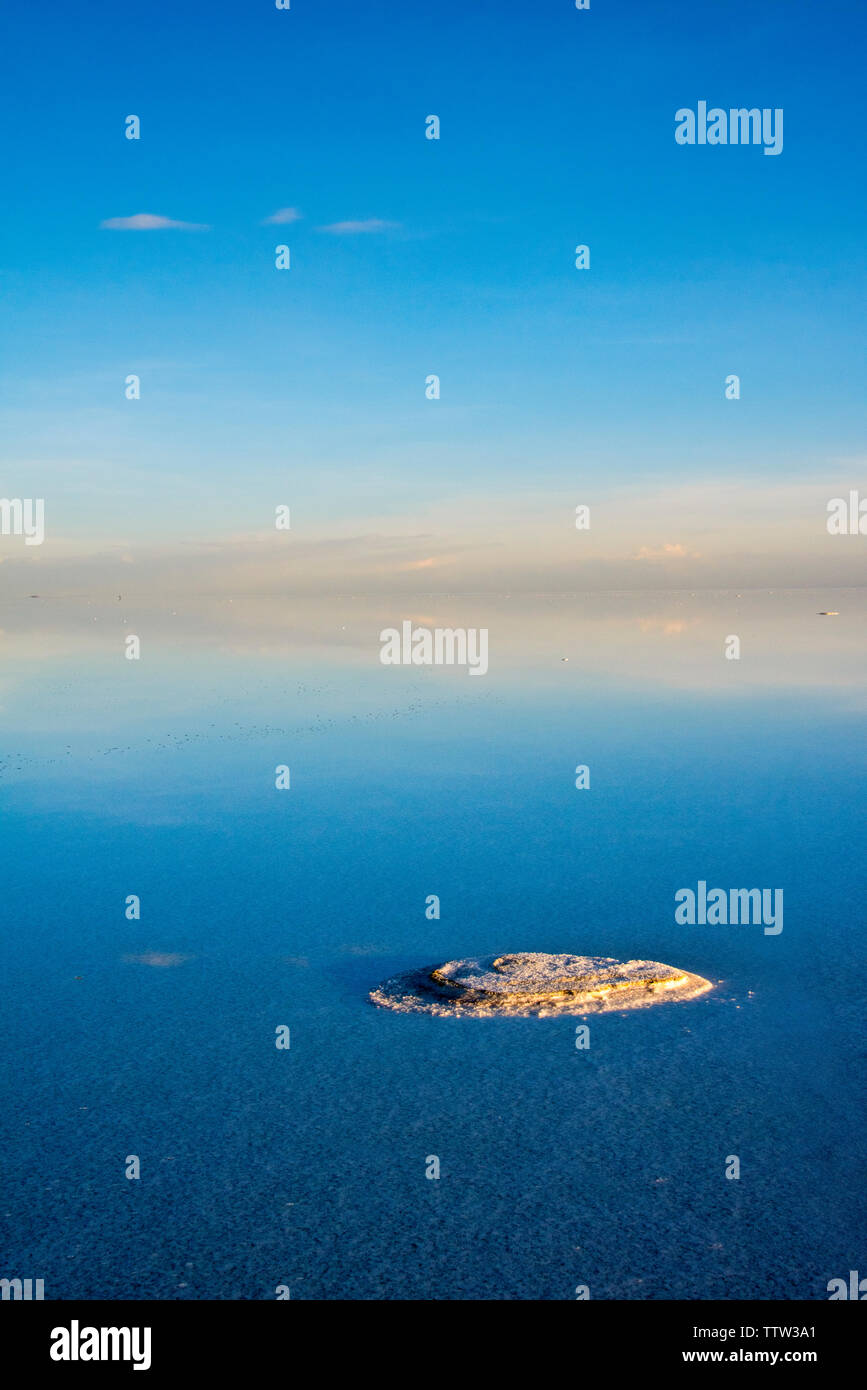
(307, 386)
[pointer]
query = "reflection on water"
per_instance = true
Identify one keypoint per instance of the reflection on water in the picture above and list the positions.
(150, 1031)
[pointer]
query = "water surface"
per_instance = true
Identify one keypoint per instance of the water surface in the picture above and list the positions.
(261, 908)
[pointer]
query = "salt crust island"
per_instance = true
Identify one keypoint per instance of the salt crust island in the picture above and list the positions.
(533, 984)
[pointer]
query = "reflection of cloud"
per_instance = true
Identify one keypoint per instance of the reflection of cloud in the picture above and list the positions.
(669, 627)
(150, 222)
(669, 551)
(372, 224)
(160, 959)
(330, 644)
(282, 215)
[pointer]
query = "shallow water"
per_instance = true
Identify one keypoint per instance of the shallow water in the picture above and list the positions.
(260, 908)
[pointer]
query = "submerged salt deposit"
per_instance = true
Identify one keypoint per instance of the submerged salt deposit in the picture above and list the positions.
(534, 984)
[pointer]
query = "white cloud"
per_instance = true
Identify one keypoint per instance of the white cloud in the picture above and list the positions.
(150, 222)
(282, 215)
(373, 224)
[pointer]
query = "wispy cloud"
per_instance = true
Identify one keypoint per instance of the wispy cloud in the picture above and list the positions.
(283, 215)
(430, 562)
(743, 532)
(150, 222)
(372, 224)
